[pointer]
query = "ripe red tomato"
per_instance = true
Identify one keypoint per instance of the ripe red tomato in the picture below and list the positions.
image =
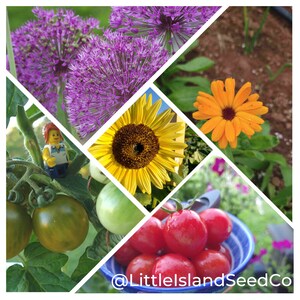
(211, 263)
(218, 225)
(173, 270)
(125, 254)
(185, 233)
(139, 269)
(161, 214)
(149, 238)
(222, 249)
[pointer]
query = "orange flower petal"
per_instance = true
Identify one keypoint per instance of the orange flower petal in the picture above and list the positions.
(206, 101)
(217, 88)
(259, 111)
(246, 128)
(229, 131)
(249, 106)
(223, 142)
(210, 124)
(230, 90)
(237, 126)
(234, 143)
(255, 127)
(242, 95)
(218, 131)
(210, 110)
(253, 97)
(208, 96)
(198, 115)
(250, 117)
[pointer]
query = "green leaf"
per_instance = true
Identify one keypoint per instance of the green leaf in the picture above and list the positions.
(263, 142)
(103, 243)
(16, 280)
(197, 64)
(249, 154)
(185, 98)
(287, 173)
(175, 177)
(95, 187)
(202, 83)
(85, 264)
(252, 163)
(144, 199)
(267, 177)
(42, 272)
(14, 97)
(246, 170)
(275, 158)
(31, 111)
(283, 197)
(228, 152)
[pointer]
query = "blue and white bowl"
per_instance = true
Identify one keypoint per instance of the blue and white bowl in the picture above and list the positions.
(240, 244)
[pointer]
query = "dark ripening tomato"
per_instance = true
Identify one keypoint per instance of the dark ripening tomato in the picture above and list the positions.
(62, 225)
(211, 263)
(149, 238)
(173, 270)
(18, 229)
(139, 269)
(125, 254)
(218, 225)
(115, 211)
(185, 233)
(162, 214)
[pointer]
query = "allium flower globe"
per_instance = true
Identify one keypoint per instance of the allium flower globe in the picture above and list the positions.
(171, 25)
(44, 48)
(106, 74)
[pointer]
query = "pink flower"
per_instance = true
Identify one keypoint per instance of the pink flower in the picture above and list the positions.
(218, 166)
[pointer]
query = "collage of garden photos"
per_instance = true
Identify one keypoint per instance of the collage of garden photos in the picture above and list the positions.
(148, 149)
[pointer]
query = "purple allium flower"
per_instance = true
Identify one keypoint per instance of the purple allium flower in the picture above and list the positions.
(218, 166)
(44, 48)
(281, 245)
(106, 74)
(172, 25)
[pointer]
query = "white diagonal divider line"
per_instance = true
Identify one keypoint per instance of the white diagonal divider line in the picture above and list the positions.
(184, 180)
(140, 224)
(220, 153)
(147, 84)
(76, 143)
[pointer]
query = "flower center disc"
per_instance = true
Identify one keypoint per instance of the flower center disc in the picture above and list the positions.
(135, 146)
(228, 113)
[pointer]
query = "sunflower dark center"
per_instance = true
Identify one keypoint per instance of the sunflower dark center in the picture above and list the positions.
(135, 146)
(228, 113)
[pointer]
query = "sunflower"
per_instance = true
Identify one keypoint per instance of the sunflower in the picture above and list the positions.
(140, 147)
(228, 114)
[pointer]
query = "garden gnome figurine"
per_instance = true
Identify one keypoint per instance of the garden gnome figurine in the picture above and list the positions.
(54, 152)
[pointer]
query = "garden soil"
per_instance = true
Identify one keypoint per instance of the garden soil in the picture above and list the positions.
(223, 42)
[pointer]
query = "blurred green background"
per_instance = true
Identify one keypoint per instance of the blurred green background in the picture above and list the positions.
(19, 15)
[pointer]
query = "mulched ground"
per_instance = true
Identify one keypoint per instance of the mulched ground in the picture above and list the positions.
(223, 43)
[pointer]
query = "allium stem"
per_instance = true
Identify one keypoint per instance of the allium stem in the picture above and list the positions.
(61, 114)
(10, 52)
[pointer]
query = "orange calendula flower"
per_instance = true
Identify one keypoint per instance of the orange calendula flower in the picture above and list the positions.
(228, 114)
